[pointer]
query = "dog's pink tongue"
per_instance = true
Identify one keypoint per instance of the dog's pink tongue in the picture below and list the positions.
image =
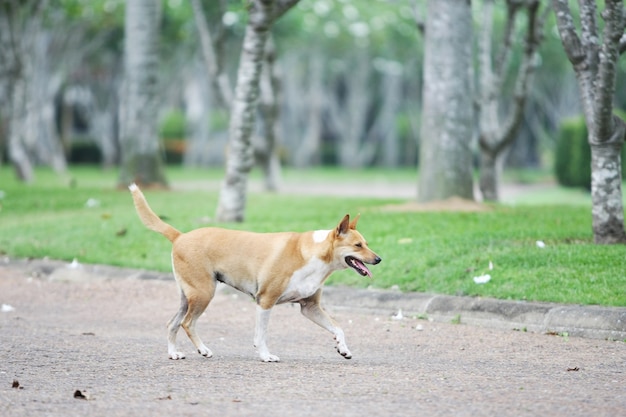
(364, 270)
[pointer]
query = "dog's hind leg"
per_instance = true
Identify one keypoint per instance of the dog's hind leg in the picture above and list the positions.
(312, 310)
(196, 294)
(197, 300)
(172, 329)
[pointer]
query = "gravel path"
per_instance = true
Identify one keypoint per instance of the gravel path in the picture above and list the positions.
(103, 340)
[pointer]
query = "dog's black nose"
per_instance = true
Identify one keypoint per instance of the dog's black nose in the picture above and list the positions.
(377, 260)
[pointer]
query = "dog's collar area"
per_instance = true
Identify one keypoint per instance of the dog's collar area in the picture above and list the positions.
(358, 266)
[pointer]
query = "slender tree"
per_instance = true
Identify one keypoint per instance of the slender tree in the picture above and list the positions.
(19, 25)
(498, 129)
(142, 161)
(212, 58)
(445, 163)
(265, 144)
(240, 158)
(594, 59)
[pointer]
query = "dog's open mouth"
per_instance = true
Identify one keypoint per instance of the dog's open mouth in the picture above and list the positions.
(358, 266)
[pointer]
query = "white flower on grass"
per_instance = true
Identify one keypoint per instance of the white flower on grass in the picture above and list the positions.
(540, 244)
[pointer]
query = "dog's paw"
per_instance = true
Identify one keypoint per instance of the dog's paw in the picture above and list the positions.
(176, 355)
(345, 353)
(205, 351)
(270, 358)
(342, 348)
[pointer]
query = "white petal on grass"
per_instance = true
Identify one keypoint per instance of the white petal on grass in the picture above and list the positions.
(482, 279)
(92, 202)
(540, 244)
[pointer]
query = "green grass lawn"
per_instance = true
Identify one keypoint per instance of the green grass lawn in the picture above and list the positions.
(437, 252)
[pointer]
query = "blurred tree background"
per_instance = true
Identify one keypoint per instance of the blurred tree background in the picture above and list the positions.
(349, 77)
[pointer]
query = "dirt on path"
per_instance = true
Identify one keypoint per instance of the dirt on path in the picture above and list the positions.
(97, 347)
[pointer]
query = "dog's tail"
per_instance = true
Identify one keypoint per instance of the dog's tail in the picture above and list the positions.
(149, 217)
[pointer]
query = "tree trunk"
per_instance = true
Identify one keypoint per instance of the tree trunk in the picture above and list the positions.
(606, 188)
(19, 26)
(491, 167)
(142, 161)
(266, 149)
(232, 199)
(17, 131)
(212, 60)
(264, 12)
(496, 136)
(392, 95)
(447, 118)
(240, 158)
(348, 111)
(595, 63)
(308, 151)
(43, 84)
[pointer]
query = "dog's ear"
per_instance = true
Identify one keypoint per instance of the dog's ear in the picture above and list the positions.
(343, 225)
(353, 222)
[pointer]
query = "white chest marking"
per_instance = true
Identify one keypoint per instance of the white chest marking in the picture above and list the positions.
(320, 235)
(306, 281)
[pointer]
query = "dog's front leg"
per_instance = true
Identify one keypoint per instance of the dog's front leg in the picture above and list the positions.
(260, 334)
(312, 310)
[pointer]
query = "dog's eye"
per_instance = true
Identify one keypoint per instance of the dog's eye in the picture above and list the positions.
(359, 245)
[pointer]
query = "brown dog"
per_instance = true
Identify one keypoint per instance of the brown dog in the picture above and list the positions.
(273, 268)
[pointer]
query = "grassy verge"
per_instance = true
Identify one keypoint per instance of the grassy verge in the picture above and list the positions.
(422, 251)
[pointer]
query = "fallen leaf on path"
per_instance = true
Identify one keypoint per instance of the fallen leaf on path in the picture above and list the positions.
(78, 394)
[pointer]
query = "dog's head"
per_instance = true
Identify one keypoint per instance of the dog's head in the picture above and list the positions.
(350, 247)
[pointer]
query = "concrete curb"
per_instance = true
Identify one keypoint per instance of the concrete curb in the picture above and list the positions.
(594, 322)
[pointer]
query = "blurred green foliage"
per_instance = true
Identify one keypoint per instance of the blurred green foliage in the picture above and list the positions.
(572, 165)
